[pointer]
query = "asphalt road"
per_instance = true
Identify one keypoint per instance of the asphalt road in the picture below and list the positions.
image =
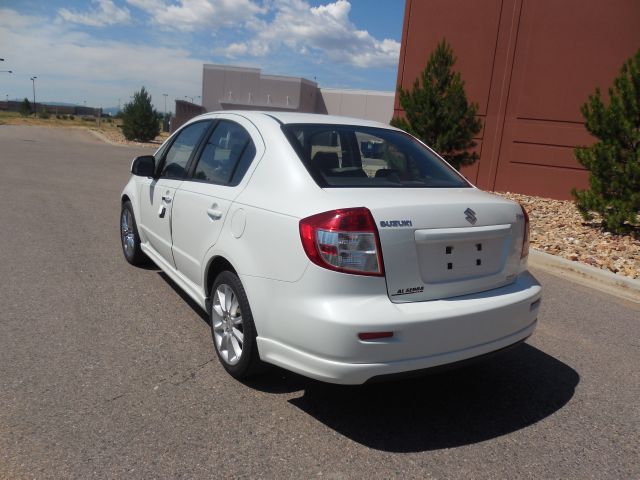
(108, 371)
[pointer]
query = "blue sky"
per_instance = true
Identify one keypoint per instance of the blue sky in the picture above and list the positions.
(101, 51)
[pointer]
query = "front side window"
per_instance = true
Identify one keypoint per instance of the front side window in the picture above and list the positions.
(355, 156)
(179, 153)
(226, 155)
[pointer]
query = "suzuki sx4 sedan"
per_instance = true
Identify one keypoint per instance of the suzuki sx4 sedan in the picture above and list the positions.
(341, 249)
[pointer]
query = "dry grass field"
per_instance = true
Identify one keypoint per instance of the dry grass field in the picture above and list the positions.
(108, 128)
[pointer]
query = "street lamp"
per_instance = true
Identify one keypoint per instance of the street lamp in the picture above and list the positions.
(35, 107)
(164, 119)
(187, 96)
(6, 71)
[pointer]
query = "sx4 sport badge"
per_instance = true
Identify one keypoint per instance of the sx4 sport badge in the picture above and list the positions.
(408, 291)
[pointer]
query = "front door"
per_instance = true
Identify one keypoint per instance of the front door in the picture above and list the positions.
(156, 201)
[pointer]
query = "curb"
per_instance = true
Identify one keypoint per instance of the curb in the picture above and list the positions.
(602, 280)
(103, 138)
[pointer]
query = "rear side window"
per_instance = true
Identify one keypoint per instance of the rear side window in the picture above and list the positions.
(226, 155)
(180, 151)
(355, 156)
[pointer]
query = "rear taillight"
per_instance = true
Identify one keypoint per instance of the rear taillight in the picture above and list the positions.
(525, 240)
(344, 240)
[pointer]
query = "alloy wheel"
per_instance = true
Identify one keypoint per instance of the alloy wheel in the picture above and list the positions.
(126, 230)
(228, 331)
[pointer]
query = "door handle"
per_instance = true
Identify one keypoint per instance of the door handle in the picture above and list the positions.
(166, 199)
(214, 214)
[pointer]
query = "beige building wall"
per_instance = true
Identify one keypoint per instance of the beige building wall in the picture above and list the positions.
(227, 87)
(367, 104)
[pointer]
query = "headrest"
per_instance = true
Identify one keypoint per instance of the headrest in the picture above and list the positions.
(326, 160)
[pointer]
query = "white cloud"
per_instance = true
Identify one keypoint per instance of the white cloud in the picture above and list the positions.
(73, 66)
(325, 30)
(105, 13)
(191, 15)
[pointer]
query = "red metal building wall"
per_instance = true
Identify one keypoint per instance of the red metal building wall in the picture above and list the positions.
(530, 65)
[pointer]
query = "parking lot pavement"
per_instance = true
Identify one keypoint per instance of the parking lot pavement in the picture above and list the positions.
(108, 371)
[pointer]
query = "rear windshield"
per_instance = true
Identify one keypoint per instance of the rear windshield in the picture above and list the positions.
(355, 156)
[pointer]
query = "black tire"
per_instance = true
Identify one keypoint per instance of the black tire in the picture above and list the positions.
(128, 228)
(248, 363)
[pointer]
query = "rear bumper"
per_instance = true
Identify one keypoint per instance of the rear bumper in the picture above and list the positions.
(317, 335)
(357, 373)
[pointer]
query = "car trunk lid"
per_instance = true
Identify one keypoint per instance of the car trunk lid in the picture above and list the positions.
(440, 243)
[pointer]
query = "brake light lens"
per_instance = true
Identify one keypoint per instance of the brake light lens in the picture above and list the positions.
(344, 240)
(525, 241)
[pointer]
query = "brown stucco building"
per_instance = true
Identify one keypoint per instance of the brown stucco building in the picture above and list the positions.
(530, 65)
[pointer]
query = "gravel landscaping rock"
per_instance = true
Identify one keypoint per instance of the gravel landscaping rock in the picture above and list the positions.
(558, 228)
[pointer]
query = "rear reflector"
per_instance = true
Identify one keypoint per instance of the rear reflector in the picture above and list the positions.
(345, 240)
(374, 335)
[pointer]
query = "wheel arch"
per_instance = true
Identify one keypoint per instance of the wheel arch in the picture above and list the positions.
(216, 265)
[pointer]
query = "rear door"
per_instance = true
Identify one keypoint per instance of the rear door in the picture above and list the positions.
(157, 194)
(202, 202)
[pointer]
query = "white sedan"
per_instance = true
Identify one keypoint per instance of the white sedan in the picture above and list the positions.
(341, 249)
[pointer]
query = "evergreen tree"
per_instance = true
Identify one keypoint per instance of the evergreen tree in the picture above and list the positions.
(437, 111)
(614, 160)
(139, 119)
(25, 108)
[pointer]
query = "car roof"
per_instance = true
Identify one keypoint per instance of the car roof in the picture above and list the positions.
(296, 117)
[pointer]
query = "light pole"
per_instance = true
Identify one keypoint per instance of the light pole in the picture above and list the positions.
(35, 107)
(164, 119)
(187, 96)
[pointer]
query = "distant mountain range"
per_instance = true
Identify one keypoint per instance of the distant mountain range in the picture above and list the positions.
(113, 111)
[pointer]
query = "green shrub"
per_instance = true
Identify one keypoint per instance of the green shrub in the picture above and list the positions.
(25, 108)
(44, 114)
(71, 117)
(614, 160)
(139, 120)
(437, 110)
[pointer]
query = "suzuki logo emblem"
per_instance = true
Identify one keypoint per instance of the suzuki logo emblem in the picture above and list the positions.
(470, 216)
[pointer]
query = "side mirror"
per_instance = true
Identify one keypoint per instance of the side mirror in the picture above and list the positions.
(144, 166)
